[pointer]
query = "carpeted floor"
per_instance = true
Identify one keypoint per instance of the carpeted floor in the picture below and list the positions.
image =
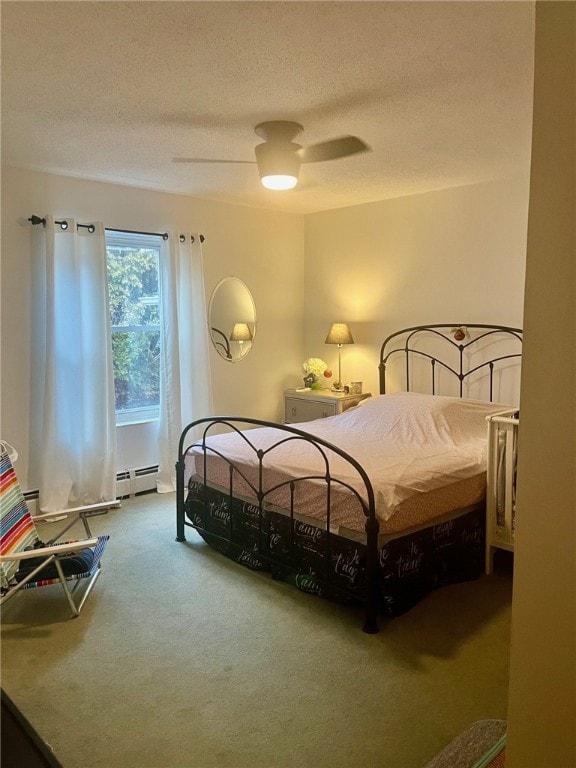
(183, 659)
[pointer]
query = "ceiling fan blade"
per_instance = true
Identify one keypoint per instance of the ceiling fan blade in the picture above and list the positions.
(333, 149)
(208, 160)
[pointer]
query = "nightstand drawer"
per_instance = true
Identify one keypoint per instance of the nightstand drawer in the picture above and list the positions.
(306, 405)
(296, 410)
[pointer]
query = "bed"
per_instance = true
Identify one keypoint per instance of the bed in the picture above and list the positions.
(375, 506)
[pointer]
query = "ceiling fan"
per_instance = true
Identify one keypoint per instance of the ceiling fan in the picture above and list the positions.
(279, 158)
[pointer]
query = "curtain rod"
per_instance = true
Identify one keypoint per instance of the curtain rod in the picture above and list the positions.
(90, 227)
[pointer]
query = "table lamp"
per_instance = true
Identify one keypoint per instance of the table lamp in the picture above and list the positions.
(241, 332)
(339, 334)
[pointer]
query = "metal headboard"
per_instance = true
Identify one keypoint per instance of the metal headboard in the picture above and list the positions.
(459, 336)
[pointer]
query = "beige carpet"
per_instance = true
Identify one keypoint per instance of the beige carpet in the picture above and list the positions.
(183, 659)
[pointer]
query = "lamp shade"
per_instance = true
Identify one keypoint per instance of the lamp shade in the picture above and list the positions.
(339, 333)
(241, 332)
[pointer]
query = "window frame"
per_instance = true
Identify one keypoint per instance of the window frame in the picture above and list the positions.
(133, 240)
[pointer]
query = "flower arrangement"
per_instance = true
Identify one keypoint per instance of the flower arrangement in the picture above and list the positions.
(315, 368)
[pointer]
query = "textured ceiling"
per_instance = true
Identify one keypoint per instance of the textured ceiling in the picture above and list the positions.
(440, 91)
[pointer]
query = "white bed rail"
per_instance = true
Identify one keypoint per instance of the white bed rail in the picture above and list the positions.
(501, 483)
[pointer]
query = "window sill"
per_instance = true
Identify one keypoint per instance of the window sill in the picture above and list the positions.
(135, 421)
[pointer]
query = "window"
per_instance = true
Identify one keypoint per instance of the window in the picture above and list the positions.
(133, 285)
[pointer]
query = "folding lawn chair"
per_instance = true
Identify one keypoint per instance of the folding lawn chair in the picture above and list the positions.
(26, 562)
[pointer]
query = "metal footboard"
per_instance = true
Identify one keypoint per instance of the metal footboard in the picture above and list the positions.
(261, 547)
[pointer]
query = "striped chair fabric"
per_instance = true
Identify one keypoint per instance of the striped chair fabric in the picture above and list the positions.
(18, 533)
(98, 551)
(17, 529)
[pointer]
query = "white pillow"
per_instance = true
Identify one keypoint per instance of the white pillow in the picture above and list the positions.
(460, 418)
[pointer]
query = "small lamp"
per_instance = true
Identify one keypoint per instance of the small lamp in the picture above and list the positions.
(241, 332)
(339, 334)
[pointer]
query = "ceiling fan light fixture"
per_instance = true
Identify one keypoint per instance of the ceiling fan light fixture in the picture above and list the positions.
(279, 157)
(278, 164)
(279, 181)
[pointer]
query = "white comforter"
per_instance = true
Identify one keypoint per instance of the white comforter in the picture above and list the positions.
(407, 443)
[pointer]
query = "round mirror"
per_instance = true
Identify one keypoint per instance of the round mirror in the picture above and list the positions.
(232, 319)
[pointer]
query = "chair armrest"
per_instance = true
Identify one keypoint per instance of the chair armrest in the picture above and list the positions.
(55, 549)
(102, 505)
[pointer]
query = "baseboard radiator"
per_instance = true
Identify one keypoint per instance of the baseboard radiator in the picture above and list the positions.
(129, 482)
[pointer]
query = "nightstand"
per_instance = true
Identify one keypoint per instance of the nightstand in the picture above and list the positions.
(316, 404)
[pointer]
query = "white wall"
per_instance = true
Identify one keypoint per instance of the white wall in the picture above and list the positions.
(452, 256)
(263, 248)
(542, 701)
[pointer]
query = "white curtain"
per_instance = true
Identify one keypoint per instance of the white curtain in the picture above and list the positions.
(185, 384)
(73, 432)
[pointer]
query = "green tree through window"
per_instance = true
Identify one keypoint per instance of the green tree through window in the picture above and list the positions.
(135, 319)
